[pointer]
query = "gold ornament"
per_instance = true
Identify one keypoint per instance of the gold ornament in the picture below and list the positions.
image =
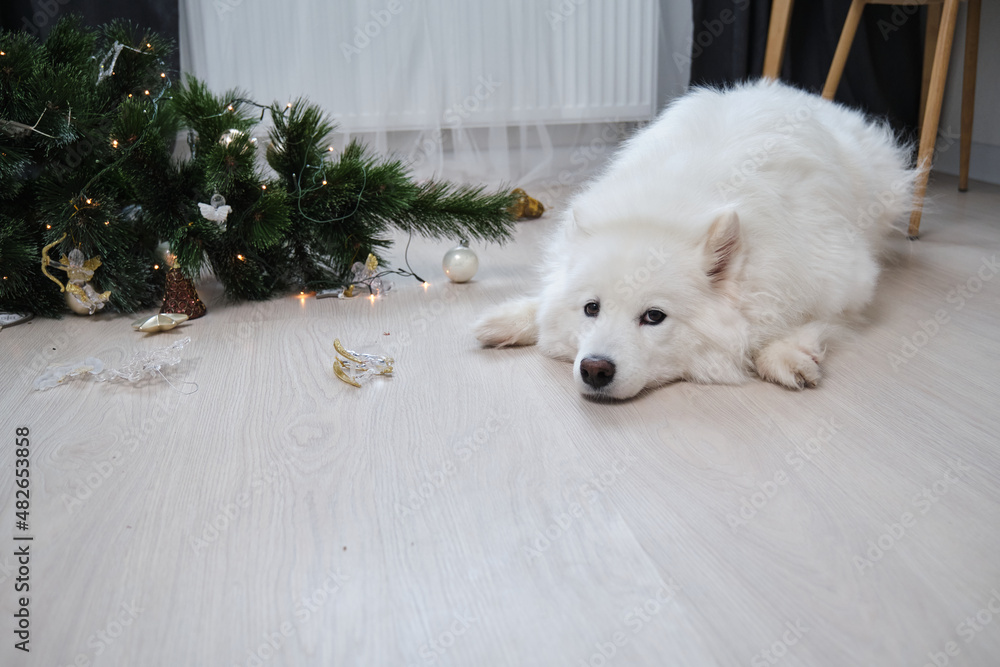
(363, 276)
(371, 263)
(526, 206)
(356, 366)
(159, 322)
(80, 296)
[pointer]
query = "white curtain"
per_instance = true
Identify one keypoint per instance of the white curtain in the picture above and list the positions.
(533, 93)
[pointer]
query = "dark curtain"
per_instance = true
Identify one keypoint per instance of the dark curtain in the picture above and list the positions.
(38, 16)
(883, 71)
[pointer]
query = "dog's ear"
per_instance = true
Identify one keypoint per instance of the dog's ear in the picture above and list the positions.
(722, 247)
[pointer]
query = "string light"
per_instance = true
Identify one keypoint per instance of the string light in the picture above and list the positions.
(156, 267)
(324, 181)
(48, 226)
(371, 298)
(114, 142)
(288, 106)
(3, 53)
(163, 75)
(230, 107)
(147, 92)
(426, 285)
(107, 222)
(88, 201)
(148, 45)
(241, 258)
(130, 95)
(263, 186)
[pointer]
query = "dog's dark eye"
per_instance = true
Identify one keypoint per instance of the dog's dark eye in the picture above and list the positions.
(591, 309)
(653, 316)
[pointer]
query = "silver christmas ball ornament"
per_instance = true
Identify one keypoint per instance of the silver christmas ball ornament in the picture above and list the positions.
(460, 263)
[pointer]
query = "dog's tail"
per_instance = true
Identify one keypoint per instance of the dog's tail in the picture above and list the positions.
(894, 194)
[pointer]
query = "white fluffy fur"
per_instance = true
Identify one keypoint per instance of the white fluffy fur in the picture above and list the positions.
(752, 216)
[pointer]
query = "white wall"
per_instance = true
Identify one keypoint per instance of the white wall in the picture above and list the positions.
(985, 159)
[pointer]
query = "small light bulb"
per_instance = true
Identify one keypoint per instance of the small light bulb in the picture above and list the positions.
(130, 95)
(114, 142)
(88, 201)
(263, 187)
(371, 297)
(147, 92)
(230, 107)
(163, 75)
(240, 257)
(156, 267)
(3, 53)
(324, 181)
(426, 285)
(107, 222)
(48, 226)
(330, 149)
(288, 106)
(148, 45)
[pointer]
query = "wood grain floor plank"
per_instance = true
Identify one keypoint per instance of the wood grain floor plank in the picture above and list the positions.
(474, 510)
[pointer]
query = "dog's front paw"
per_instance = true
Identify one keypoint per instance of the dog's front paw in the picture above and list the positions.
(511, 323)
(790, 365)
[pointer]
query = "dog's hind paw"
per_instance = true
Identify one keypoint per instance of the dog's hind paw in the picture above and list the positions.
(785, 363)
(511, 323)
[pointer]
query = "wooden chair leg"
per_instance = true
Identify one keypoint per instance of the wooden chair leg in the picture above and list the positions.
(932, 113)
(843, 48)
(968, 91)
(777, 36)
(930, 41)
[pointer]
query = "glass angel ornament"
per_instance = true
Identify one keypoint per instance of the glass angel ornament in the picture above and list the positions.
(81, 297)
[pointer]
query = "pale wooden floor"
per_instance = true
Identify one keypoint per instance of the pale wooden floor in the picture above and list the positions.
(261, 520)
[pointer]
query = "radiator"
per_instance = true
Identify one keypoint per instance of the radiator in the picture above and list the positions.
(414, 64)
(517, 61)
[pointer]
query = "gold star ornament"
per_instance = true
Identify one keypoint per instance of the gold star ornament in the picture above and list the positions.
(159, 322)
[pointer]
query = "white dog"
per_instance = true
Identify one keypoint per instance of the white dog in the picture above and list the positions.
(732, 235)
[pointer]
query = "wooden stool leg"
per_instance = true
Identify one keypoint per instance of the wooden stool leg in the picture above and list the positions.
(932, 114)
(777, 34)
(968, 91)
(843, 48)
(930, 42)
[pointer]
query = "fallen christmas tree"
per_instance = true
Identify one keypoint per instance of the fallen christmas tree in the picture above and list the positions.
(88, 121)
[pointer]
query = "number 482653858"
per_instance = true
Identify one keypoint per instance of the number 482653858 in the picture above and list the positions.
(21, 466)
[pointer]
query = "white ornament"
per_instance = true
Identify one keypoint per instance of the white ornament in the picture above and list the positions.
(107, 65)
(460, 263)
(228, 136)
(76, 304)
(216, 211)
(143, 365)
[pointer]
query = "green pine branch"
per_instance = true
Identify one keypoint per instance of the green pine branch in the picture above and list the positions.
(88, 153)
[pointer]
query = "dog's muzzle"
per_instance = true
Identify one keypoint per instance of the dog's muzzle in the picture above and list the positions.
(597, 371)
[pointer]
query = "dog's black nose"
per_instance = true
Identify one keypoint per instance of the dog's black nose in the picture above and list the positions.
(597, 371)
